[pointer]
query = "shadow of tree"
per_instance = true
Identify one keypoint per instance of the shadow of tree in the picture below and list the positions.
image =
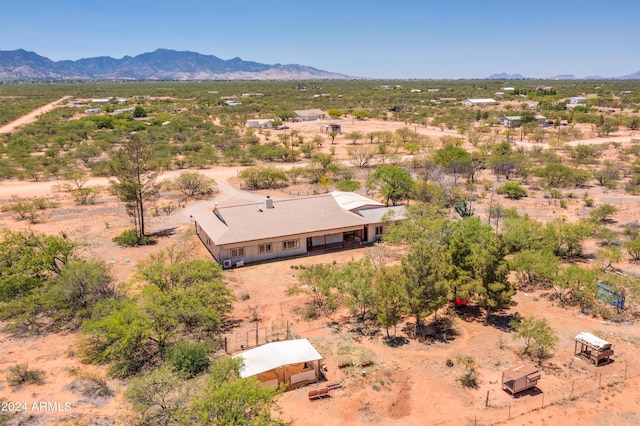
(395, 341)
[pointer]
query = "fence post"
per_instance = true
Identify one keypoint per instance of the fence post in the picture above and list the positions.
(542, 400)
(509, 418)
(625, 371)
(486, 402)
(600, 381)
(573, 382)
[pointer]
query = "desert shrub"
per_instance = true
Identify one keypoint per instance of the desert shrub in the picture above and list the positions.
(93, 386)
(21, 374)
(471, 374)
(130, 238)
(347, 185)
(189, 359)
(512, 190)
(84, 196)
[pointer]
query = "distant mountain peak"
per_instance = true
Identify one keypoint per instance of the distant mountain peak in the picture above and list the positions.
(505, 76)
(161, 64)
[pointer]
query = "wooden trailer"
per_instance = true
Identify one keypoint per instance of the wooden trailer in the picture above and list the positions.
(592, 348)
(519, 378)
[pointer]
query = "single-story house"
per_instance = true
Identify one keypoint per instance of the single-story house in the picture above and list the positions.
(100, 101)
(514, 120)
(236, 235)
(260, 123)
(289, 362)
(92, 111)
(310, 114)
(578, 100)
(122, 111)
(480, 102)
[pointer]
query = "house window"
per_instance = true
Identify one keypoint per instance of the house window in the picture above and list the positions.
(290, 245)
(379, 230)
(237, 252)
(264, 248)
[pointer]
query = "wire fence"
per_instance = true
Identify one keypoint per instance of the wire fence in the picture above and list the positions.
(251, 337)
(499, 408)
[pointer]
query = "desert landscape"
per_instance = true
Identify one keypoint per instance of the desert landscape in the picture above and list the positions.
(413, 381)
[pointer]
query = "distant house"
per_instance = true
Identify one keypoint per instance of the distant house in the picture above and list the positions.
(236, 235)
(252, 95)
(231, 103)
(260, 123)
(122, 111)
(310, 114)
(100, 101)
(416, 91)
(480, 102)
(432, 90)
(514, 120)
(448, 100)
(578, 100)
(507, 89)
(92, 111)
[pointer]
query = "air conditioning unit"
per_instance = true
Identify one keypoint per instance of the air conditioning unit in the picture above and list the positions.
(226, 263)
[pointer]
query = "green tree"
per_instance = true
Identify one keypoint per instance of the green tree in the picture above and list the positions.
(30, 260)
(574, 283)
(566, 239)
(318, 282)
(354, 136)
(81, 285)
(537, 335)
(390, 296)
(478, 257)
(426, 277)
(228, 399)
(535, 268)
(603, 213)
(189, 359)
(455, 161)
(193, 184)
(136, 174)
(633, 248)
(393, 183)
(159, 397)
(355, 283)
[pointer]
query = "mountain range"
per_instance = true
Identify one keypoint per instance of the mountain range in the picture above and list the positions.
(166, 64)
(505, 76)
(161, 64)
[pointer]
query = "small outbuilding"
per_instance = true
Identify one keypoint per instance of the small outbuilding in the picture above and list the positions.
(519, 378)
(593, 349)
(290, 362)
(328, 128)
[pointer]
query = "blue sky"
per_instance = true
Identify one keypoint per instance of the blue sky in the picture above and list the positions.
(377, 39)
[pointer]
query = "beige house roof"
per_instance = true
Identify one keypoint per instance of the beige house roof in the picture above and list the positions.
(352, 201)
(309, 112)
(253, 222)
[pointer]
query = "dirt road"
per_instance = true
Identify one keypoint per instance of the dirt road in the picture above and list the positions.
(32, 116)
